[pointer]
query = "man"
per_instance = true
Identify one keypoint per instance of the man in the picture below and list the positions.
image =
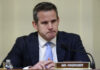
(31, 51)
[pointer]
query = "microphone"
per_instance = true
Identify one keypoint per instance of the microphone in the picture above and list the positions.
(92, 62)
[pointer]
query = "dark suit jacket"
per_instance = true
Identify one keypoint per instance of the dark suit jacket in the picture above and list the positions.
(25, 51)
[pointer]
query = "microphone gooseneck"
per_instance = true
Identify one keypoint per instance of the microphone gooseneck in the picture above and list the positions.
(92, 62)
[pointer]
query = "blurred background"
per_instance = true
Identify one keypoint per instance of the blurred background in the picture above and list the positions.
(76, 16)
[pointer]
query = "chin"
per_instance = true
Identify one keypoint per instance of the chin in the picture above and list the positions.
(50, 38)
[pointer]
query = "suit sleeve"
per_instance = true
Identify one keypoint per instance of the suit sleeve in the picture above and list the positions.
(80, 53)
(15, 55)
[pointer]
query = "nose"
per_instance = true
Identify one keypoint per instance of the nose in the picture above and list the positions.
(50, 25)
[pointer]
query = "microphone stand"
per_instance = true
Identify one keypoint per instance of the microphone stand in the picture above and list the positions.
(92, 62)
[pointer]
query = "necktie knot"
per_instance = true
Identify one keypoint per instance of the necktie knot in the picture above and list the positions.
(48, 44)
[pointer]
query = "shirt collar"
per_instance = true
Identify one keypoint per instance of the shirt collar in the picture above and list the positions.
(42, 41)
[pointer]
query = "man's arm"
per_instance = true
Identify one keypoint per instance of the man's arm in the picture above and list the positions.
(15, 54)
(79, 53)
(43, 65)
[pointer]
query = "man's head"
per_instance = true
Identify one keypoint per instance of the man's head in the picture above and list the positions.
(43, 6)
(46, 20)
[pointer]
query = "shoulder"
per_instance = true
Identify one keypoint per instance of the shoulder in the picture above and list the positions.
(29, 37)
(25, 40)
(71, 40)
(65, 35)
(68, 38)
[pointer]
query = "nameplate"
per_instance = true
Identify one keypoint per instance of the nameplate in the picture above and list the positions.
(72, 65)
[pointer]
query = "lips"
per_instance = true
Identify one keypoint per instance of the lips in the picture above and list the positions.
(52, 32)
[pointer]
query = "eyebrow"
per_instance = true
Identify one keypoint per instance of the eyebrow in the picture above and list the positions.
(53, 20)
(45, 22)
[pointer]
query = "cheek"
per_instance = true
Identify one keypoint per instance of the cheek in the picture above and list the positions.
(43, 29)
(56, 26)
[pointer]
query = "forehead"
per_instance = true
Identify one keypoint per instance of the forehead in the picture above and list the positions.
(47, 15)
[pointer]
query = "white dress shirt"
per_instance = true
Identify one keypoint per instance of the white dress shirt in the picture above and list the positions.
(42, 48)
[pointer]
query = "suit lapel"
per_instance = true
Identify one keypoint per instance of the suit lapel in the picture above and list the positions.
(60, 51)
(34, 48)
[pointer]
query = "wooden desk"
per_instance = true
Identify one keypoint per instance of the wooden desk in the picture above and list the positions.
(12, 69)
(56, 69)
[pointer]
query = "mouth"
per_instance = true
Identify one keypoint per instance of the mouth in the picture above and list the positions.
(52, 32)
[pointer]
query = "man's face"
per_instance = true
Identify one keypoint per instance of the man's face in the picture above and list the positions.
(47, 25)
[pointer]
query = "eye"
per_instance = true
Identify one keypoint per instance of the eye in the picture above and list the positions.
(53, 21)
(45, 22)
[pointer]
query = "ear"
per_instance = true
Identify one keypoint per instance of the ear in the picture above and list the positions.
(34, 25)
